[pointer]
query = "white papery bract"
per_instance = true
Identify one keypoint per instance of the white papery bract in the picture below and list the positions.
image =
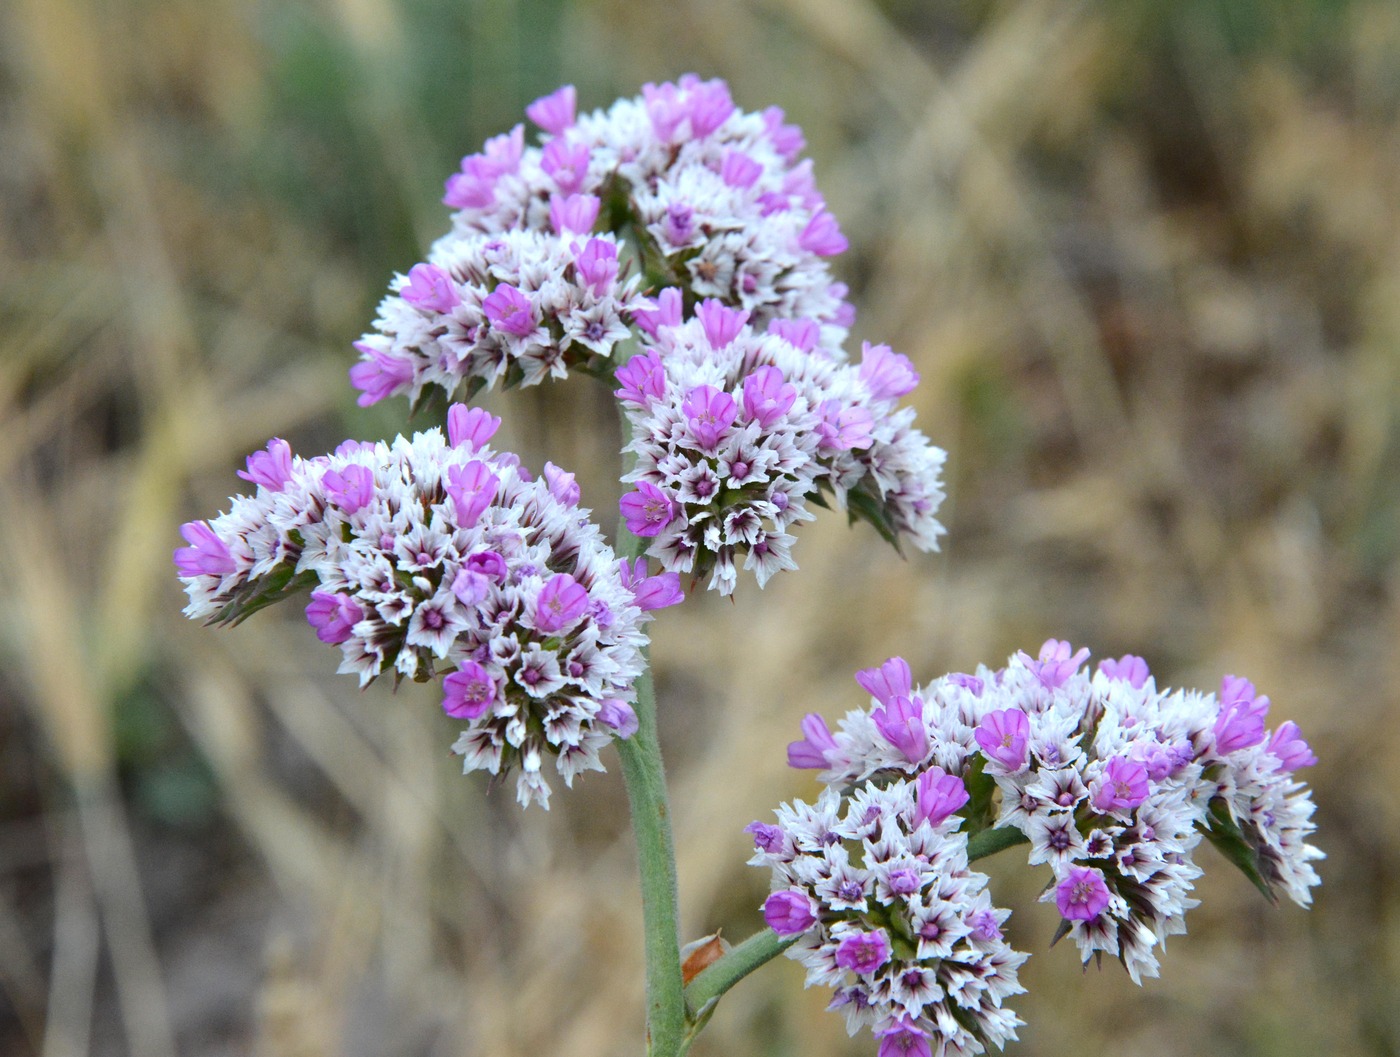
(901, 929)
(428, 560)
(1112, 782)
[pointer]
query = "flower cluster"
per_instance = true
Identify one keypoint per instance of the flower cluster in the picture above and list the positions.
(706, 197)
(876, 887)
(439, 557)
(734, 431)
(1112, 782)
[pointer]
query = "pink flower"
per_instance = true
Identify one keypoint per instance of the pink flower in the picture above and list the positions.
(620, 716)
(430, 289)
(472, 488)
(648, 510)
(892, 679)
(709, 104)
(271, 469)
(1003, 735)
(1122, 787)
(351, 490)
(643, 380)
(739, 170)
(667, 313)
(468, 692)
(1240, 723)
(722, 323)
(822, 236)
(905, 1039)
(710, 412)
(863, 952)
(510, 310)
(886, 373)
(471, 427)
(801, 334)
(333, 615)
(1056, 664)
(939, 795)
(566, 164)
(573, 213)
(650, 592)
(901, 722)
(561, 602)
(812, 751)
(787, 139)
(844, 428)
(789, 912)
(1289, 748)
(554, 112)
(1082, 895)
(561, 484)
(1129, 669)
(383, 374)
(767, 396)
(207, 554)
(597, 265)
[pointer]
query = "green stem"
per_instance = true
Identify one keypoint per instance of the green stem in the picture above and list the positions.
(764, 946)
(656, 859)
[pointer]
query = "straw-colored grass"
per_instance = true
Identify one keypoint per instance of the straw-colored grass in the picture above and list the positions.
(1147, 258)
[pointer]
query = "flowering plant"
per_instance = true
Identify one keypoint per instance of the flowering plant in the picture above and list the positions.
(679, 247)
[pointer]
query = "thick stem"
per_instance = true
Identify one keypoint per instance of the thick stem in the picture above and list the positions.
(651, 824)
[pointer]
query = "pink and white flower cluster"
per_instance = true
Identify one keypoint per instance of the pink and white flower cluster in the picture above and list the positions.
(875, 884)
(1113, 782)
(735, 430)
(531, 280)
(438, 557)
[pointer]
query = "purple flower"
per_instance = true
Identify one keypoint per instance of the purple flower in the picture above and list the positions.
(643, 380)
(984, 925)
(739, 170)
(904, 1039)
(970, 683)
(207, 554)
(573, 213)
(620, 716)
(822, 236)
(892, 679)
(678, 224)
(333, 615)
(665, 108)
(789, 912)
(651, 592)
(1082, 895)
(1057, 663)
(561, 602)
(667, 313)
(1241, 720)
(597, 265)
(430, 289)
(844, 428)
(939, 795)
(886, 373)
(510, 310)
(812, 751)
(468, 692)
(271, 469)
(801, 334)
(472, 188)
(1122, 787)
(787, 139)
(554, 112)
(1129, 669)
(383, 374)
(902, 724)
(766, 838)
(472, 426)
(710, 412)
(1003, 735)
(767, 396)
(648, 510)
(562, 485)
(722, 323)
(472, 487)
(1289, 748)
(863, 952)
(566, 164)
(351, 490)
(710, 104)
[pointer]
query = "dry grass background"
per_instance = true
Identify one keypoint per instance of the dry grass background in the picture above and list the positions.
(1147, 257)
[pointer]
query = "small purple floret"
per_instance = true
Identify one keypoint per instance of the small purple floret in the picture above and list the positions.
(431, 289)
(812, 751)
(620, 716)
(468, 692)
(554, 112)
(207, 554)
(510, 310)
(863, 952)
(789, 912)
(1002, 735)
(561, 602)
(648, 510)
(271, 469)
(1082, 895)
(939, 795)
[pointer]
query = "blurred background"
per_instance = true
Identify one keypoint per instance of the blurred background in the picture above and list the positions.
(1147, 258)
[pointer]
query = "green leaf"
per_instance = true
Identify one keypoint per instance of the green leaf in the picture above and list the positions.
(1235, 844)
